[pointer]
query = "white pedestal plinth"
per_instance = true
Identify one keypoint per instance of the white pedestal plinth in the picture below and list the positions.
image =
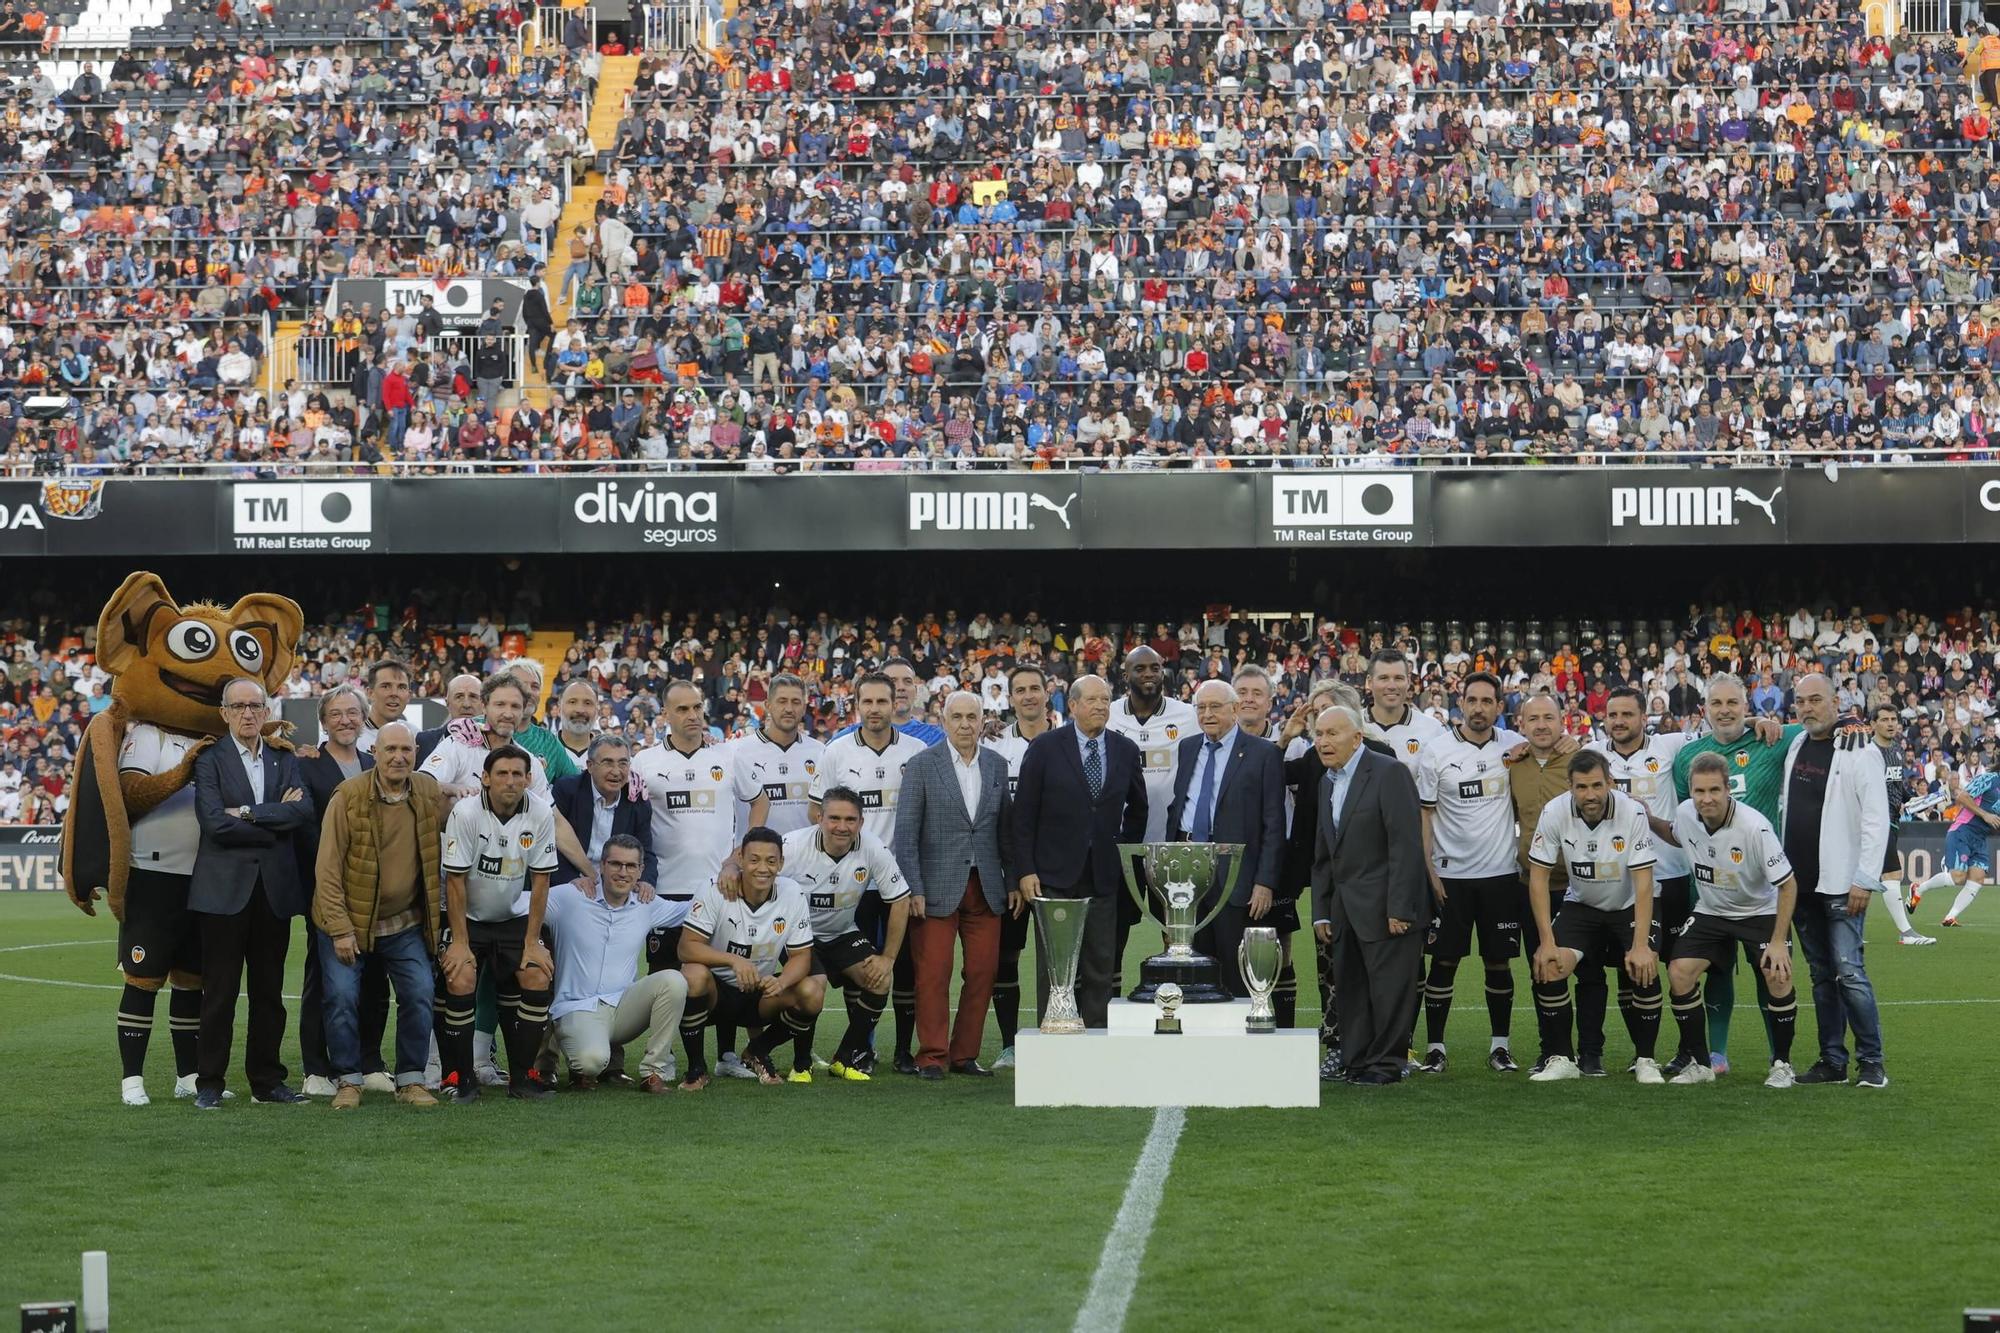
(1125, 1068)
(1205, 1019)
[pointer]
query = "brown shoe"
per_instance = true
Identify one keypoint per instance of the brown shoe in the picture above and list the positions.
(415, 1094)
(348, 1097)
(582, 1083)
(654, 1084)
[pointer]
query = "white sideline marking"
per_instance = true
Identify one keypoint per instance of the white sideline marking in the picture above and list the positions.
(59, 944)
(1117, 1273)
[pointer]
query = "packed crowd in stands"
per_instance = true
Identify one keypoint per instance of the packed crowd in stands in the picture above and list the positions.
(1124, 234)
(1938, 671)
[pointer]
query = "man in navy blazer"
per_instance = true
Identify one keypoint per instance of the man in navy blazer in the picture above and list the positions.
(599, 805)
(250, 801)
(1081, 792)
(1230, 787)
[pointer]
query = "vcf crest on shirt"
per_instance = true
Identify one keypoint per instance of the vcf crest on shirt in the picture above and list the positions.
(1411, 745)
(715, 773)
(1652, 764)
(1736, 855)
(1173, 732)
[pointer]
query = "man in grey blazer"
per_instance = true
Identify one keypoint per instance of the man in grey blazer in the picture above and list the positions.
(949, 816)
(1371, 895)
(250, 801)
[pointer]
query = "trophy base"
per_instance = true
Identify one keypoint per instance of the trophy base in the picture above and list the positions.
(1167, 1027)
(1199, 979)
(1255, 1026)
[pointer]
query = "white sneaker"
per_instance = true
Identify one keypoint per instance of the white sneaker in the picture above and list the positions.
(1005, 1061)
(820, 1062)
(1695, 1073)
(1911, 937)
(1647, 1071)
(489, 1076)
(319, 1085)
(132, 1092)
(379, 1081)
(1781, 1075)
(1556, 1069)
(433, 1075)
(184, 1088)
(731, 1066)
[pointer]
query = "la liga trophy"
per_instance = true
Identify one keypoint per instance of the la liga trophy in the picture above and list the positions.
(1170, 881)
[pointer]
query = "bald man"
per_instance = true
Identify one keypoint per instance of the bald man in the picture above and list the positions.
(462, 698)
(949, 817)
(1230, 787)
(576, 721)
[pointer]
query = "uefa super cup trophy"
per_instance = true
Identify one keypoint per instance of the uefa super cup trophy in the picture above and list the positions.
(1170, 881)
(1259, 958)
(1059, 922)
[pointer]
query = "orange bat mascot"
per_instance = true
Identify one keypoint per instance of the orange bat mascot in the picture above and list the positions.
(131, 834)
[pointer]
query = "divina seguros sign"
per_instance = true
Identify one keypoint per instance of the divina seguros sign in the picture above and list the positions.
(1234, 509)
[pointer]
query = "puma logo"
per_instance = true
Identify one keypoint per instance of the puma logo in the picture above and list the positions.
(1748, 498)
(1061, 511)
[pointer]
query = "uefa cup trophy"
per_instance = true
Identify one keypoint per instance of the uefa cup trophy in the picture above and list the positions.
(1170, 881)
(1259, 958)
(1059, 922)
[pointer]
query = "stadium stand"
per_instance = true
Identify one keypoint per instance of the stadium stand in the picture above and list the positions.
(1129, 235)
(1938, 669)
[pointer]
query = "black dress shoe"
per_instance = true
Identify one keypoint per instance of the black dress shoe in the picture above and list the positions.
(1371, 1078)
(208, 1099)
(279, 1095)
(933, 1073)
(617, 1079)
(905, 1063)
(972, 1067)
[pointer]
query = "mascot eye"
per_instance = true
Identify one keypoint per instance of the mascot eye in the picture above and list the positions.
(191, 641)
(248, 652)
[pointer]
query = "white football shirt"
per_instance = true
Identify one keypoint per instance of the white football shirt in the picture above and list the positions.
(876, 776)
(1465, 787)
(1159, 741)
(1648, 774)
(694, 800)
(1408, 737)
(784, 773)
(1736, 869)
(456, 764)
(763, 935)
(833, 888)
(1598, 858)
(497, 855)
(165, 838)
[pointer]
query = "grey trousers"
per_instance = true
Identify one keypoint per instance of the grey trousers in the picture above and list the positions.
(652, 1005)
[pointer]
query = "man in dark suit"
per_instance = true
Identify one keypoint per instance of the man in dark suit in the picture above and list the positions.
(1371, 895)
(1081, 792)
(599, 805)
(251, 802)
(949, 817)
(1230, 787)
(343, 721)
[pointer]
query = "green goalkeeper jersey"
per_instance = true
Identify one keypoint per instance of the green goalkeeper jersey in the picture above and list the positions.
(1756, 770)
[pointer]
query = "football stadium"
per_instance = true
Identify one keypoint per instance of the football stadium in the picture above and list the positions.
(989, 665)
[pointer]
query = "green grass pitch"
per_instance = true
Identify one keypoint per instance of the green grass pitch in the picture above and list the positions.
(1473, 1201)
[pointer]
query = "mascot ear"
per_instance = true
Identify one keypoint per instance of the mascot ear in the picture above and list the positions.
(282, 619)
(123, 625)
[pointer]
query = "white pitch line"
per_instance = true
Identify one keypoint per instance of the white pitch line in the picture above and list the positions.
(59, 944)
(1117, 1275)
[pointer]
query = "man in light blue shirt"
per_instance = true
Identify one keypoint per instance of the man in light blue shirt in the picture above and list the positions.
(599, 944)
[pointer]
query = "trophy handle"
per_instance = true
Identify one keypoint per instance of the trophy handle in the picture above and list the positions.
(1129, 854)
(1234, 853)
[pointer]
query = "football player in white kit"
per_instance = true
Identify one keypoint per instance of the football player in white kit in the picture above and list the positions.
(1154, 721)
(1028, 697)
(1469, 841)
(750, 960)
(869, 761)
(1391, 718)
(836, 864)
(1602, 840)
(780, 758)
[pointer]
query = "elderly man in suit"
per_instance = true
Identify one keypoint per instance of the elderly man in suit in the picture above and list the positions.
(1229, 786)
(343, 723)
(949, 815)
(1371, 895)
(1081, 792)
(250, 802)
(599, 805)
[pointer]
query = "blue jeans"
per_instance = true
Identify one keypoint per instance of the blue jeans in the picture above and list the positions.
(1841, 992)
(408, 962)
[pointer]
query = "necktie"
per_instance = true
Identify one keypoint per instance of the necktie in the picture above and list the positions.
(1204, 804)
(1339, 788)
(1093, 768)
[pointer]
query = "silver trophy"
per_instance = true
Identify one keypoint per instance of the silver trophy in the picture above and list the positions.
(1169, 999)
(1177, 878)
(1258, 958)
(1059, 922)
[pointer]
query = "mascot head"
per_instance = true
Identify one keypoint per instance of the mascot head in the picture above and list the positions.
(169, 662)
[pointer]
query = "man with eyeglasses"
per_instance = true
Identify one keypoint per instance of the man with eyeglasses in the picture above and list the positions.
(250, 802)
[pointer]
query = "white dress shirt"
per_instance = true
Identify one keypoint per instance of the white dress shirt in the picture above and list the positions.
(253, 768)
(601, 811)
(967, 773)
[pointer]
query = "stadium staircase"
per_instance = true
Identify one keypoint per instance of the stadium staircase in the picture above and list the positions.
(547, 648)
